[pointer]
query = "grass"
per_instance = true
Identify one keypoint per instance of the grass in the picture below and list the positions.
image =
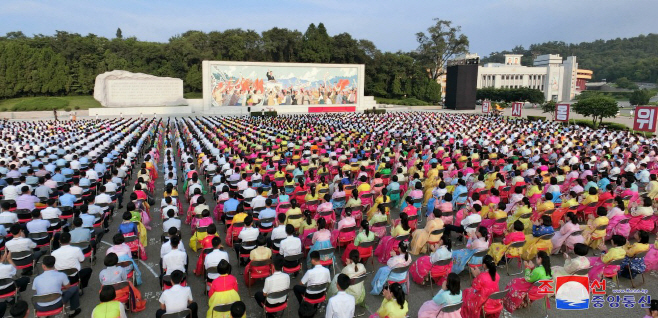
(48, 103)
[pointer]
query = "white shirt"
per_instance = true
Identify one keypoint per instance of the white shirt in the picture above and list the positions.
(8, 271)
(171, 222)
(174, 260)
(258, 201)
(51, 213)
(166, 248)
(277, 282)
(249, 193)
(176, 298)
(67, 257)
(315, 276)
(341, 306)
(290, 246)
(10, 192)
(279, 232)
(248, 234)
(212, 259)
(20, 244)
(8, 217)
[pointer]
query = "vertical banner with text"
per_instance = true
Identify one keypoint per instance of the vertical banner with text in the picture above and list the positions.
(486, 106)
(562, 112)
(516, 109)
(645, 118)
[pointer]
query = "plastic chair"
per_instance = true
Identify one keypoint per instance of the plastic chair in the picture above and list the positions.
(257, 272)
(499, 305)
(516, 245)
(318, 288)
(279, 308)
(450, 308)
(400, 270)
(431, 274)
(330, 261)
(222, 308)
(46, 299)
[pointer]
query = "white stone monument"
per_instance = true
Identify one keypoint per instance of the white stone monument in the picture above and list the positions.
(126, 89)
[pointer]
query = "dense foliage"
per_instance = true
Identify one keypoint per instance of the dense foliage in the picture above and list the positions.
(522, 94)
(634, 58)
(596, 106)
(67, 63)
(640, 97)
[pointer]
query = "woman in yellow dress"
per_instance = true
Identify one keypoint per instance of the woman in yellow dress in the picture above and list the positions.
(533, 242)
(394, 304)
(499, 249)
(523, 208)
(382, 198)
(420, 237)
(594, 237)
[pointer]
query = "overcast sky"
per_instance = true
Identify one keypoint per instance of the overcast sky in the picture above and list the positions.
(491, 25)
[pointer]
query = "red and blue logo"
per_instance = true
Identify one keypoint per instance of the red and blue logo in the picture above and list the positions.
(572, 292)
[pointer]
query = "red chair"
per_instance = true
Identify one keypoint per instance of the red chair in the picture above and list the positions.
(45, 299)
(508, 257)
(366, 250)
(327, 253)
(259, 270)
(439, 269)
(125, 297)
(296, 269)
(280, 308)
(494, 304)
(7, 282)
(319, 288)
(346, 236)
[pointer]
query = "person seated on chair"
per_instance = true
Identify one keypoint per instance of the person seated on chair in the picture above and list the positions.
(279, 232)
(68, 257)
(248, 233)
(52, 281)
(342, 304)
(8, 271)
(171, 221)
(19, 243)
(314, 276)
(177, 298)
(174, 259)
(225, 283)
(276, 282)
(109, 308)
(112, 273)
(214, 258)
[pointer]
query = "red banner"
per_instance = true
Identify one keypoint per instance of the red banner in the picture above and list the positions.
(517, 108)
(562, 112)
(645, 118)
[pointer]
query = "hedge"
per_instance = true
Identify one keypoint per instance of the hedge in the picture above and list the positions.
(609, 125)
(264, 114)
(375, 111)
(535, 118)
(402, 102)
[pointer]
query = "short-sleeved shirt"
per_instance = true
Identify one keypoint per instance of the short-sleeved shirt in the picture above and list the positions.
(176, 298)
(50, 282)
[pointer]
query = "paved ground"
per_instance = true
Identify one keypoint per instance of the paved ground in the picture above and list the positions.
(418, 294)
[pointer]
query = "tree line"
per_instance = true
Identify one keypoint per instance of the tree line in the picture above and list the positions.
(68, 63)
(634, 58)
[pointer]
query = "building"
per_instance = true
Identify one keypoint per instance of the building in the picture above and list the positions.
(582, 77)
(555, 77)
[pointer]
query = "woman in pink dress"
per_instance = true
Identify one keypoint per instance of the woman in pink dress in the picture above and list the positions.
(484, 284)
(616, 216)
(563, 236)
(346, 222)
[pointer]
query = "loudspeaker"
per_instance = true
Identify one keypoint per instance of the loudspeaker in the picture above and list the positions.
(461, 85)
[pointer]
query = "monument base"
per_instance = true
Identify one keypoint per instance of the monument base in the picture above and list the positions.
(136, 111)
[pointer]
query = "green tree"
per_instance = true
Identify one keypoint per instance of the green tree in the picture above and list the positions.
(640, 97)
(442, 42)
(549, 107)
(316, 45)
(119, 34)
(597, 107)
(624, 82)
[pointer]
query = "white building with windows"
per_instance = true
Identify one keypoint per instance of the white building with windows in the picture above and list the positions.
(555, 77)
